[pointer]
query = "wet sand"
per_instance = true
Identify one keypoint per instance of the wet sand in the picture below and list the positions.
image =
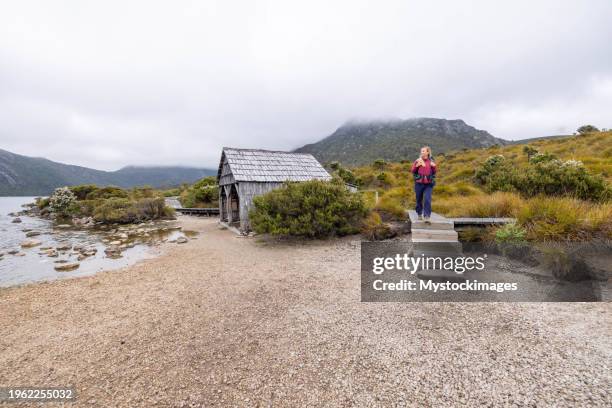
(231, 321)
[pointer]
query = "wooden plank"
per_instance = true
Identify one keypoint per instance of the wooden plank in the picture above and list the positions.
(482, 221)
(434, 234)
(437, 222)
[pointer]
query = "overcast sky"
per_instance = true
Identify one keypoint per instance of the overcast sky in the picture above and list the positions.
(108, 83)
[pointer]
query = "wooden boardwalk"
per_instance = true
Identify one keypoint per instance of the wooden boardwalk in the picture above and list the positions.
(199, 211)
(482, 221)
(176, 204)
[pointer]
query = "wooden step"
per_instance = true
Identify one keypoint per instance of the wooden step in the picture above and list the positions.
(437, 222)
(434, 235)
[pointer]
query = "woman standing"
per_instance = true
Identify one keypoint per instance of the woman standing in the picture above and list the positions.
(424, 171)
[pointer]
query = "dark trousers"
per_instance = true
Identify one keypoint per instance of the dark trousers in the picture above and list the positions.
(423, 198)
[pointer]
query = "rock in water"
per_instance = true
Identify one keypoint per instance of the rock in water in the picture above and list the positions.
(32, 233)
(181, 240)
(70, 266)
(16, 220)
(29, 243)
(113, 252)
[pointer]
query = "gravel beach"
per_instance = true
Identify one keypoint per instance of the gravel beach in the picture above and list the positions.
(226, 321)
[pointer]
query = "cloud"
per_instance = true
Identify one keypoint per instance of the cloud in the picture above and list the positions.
(107, 84)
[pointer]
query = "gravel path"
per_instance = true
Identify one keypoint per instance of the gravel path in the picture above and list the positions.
(231, 321)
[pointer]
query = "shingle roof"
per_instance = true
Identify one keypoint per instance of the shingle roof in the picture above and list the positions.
(272, 166)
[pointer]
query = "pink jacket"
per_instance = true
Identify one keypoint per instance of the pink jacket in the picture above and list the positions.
(424, 171)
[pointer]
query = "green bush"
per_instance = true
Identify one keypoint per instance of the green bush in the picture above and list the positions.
(310, 209)
(115, 210)
(510, 233)
(124, 210)
(81, 192)
(107, 192)
(545, 175)
(497, 174)
(203, 193)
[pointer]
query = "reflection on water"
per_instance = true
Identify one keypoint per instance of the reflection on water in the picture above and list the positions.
(62, 245)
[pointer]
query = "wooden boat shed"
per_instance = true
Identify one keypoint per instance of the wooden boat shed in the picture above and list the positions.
(247, 173)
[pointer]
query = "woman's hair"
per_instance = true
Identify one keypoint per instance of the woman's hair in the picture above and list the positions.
(428, 150)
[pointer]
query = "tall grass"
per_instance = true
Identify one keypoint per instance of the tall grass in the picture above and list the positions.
(494, 205)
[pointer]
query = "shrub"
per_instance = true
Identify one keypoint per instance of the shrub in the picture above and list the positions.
(555, 177)
(545, 174)
(529, 151)
(203, 193)
(310, 209)
(510, 233)
(42, 202)
(123, 210)
(374, 229)
(150, 208)
(115, 210)
(497, 174)
(63, 202)
(584, 129)
(107, 192)
(81, 192)
(379, 164)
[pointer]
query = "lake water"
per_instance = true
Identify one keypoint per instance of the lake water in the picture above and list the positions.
(30, 265)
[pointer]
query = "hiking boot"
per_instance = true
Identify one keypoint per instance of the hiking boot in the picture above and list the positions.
(427, 220)
(420, 217)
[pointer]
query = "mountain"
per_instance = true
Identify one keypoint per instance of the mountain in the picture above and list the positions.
(359, 143)
(23, 175)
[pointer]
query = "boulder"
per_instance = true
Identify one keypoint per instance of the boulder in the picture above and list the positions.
(13, 251)
(181, 240)
(32, 233)
(16, 220)
(29, 243)
(64, 247)
(115, 243)
(63, 226)
(69, 266)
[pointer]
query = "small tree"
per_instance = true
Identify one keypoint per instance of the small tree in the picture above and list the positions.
(529, 151)
(380, 164)
(63, 202)
(584, 129)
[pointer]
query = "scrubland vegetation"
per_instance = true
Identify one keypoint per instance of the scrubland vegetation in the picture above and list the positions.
(106, 204)
(558, 189)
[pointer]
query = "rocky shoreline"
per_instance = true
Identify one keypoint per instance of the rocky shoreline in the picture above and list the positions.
(67, 244)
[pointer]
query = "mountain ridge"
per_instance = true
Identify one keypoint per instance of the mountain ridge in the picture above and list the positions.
(25, 175)
(359, 142)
